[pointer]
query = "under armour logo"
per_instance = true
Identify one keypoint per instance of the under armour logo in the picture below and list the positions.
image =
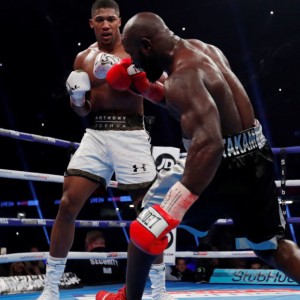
(136, 168)
(70, 88)
(75, 87)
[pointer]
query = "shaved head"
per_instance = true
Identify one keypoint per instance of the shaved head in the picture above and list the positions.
(145, 24)
(146, 38)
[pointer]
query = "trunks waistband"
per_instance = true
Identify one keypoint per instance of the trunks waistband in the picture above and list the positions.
(244, 142)
(115, 121)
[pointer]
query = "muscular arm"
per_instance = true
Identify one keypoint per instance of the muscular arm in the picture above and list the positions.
(189, 92)
(186, 90)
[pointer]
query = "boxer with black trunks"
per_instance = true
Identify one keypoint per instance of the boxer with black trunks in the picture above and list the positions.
(229, 164)
(115, 141)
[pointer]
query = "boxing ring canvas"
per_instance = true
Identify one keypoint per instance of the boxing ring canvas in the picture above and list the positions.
(185, 290)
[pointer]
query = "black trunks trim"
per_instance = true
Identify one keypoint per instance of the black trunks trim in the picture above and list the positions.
(244, 142)
(87, 175)
(116, 121)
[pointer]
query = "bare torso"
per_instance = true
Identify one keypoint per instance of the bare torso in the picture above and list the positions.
(102, 96)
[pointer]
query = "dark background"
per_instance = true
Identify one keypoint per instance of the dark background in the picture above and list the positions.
(39, 40)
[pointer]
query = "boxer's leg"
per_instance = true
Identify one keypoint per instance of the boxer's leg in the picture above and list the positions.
(285, 258)
(76, 191)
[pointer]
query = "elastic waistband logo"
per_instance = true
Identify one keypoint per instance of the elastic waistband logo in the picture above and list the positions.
(244, 142)
(115, 122)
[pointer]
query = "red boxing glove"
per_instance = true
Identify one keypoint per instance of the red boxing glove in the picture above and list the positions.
(118, 77)
(125, 76)
(149, 231)
(152, 91)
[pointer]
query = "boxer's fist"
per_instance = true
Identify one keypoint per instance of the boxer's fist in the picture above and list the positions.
(78, 83)
(152, 91)
(125, 76)
(149, 231)
(103, 62)
(118, 77)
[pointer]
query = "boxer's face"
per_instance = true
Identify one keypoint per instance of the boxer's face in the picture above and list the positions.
(143, 57)
(106, 24)
(151, 66)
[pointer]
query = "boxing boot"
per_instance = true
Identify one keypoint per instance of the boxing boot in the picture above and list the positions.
(157, 276)
(54, 272)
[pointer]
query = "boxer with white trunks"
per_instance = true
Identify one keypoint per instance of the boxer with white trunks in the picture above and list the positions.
(115, 141)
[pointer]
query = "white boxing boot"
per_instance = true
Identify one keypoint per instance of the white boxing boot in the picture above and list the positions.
(157, 276)
(54, 271)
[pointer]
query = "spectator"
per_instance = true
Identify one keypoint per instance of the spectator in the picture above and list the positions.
(36, 267)
(18, 269)
(180, 272)
(97, 271)
(257, 263)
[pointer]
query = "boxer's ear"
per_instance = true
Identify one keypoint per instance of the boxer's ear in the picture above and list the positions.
(146, 44)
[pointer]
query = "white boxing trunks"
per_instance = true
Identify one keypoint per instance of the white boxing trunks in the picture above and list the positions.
(106, 150)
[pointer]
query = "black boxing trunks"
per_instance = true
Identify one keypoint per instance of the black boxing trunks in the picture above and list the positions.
(244, 142)
(243, 189)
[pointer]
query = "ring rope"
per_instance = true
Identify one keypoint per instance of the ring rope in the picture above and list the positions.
(104, 224)
(37, 138)
(13, 174)
(67, 144)
(31, 256)
(50, 223)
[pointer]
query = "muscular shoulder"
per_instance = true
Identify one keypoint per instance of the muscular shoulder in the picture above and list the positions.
(190, 62)
(193, 71)
(212, 51)
(85, 56)
(85, 52)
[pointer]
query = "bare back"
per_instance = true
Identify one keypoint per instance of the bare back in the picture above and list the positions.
(102, 96)
(218, 86)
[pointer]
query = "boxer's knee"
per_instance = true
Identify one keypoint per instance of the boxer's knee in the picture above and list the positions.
(69, 209)
(285, 252)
